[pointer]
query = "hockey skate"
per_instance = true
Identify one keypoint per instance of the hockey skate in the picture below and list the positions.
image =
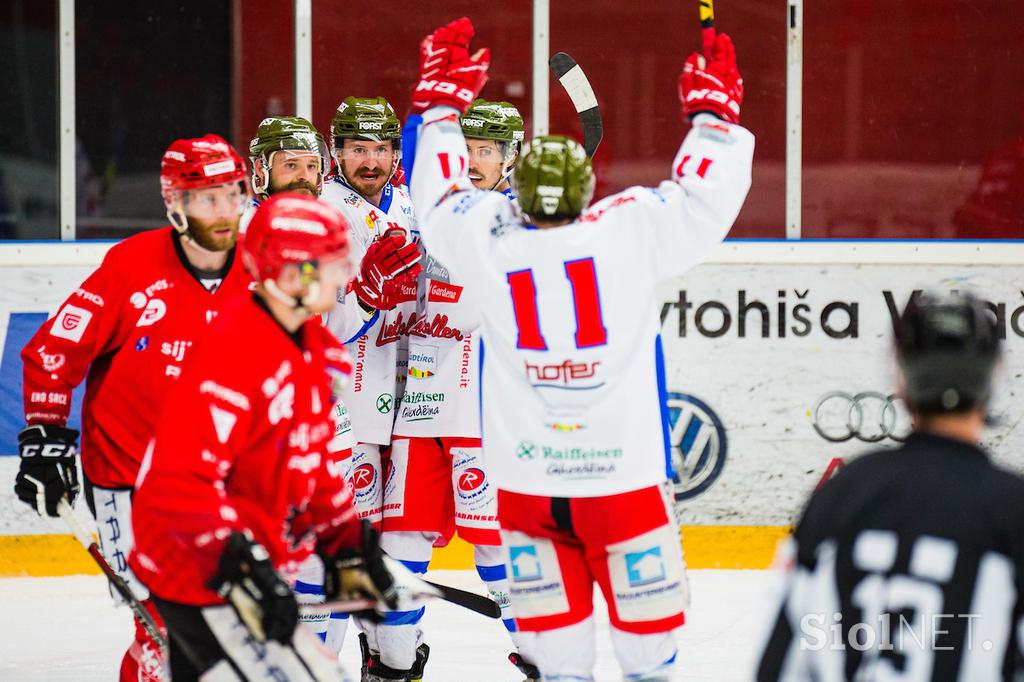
(525, 667)
(373, 670)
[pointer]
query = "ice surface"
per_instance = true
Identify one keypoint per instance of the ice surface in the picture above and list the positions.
(67, 629)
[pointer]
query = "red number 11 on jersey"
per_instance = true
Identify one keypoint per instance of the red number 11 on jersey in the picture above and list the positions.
(582, 276)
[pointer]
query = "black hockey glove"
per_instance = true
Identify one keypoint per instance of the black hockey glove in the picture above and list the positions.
(48, 471)
(360, 573)
(247, 580)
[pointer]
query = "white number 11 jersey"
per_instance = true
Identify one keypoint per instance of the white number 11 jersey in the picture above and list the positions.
(573, 381)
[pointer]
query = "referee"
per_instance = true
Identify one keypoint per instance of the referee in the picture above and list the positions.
(909, 564)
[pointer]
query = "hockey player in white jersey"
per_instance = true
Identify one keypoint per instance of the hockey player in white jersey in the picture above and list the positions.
(574, 430)
(438, 483)
(374, 314)
(494, 135)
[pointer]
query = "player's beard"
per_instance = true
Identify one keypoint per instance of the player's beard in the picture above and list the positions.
(206, 234)
(368, 188)
(300, 185)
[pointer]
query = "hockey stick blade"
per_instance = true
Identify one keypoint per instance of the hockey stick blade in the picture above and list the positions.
(576, 85)
(477, 603)
(66, 513)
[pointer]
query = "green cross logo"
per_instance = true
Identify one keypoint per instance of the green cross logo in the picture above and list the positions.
(384, 401)
(526, 450)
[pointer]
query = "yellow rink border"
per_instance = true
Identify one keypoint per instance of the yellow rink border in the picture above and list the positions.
(705, 547)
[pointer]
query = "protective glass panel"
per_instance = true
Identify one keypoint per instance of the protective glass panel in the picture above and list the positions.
(913, 123)
(376, 53)
(633, 54)
(28, 121)
(147, 73)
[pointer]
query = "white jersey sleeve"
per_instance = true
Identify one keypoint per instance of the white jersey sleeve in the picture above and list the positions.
(377, 381)
(679, 222)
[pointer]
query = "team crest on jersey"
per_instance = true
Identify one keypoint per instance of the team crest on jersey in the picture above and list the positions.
(71, 323)
(353, 200)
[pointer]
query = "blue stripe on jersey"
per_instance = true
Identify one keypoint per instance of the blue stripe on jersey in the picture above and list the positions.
(410, 136)
(480, 387)
(509, 193)
(419, 567)
(403, 617)
(308, 588)
(489, 574)
(664, 666)
(510, 624)
(369, 323)
(340, 616)
(386, 195)
(659, 368)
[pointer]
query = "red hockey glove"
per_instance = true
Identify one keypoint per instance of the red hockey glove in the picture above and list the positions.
(448, 75)
(714, 87)
(387, 260)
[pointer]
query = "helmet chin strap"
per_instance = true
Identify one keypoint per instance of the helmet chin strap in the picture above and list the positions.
(299, 305)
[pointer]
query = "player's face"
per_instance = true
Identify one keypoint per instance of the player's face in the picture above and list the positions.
(367, 164)
(334, 275)
(213, 215)
(486, 163)
(295, 172)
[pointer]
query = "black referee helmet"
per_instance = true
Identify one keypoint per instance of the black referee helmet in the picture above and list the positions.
(946, 347)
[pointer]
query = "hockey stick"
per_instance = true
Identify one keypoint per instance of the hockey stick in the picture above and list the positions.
(576, 85)
(411, 586)
(707, 26)
(66, 513)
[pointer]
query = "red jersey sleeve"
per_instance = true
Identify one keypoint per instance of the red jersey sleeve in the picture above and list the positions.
(93, 321)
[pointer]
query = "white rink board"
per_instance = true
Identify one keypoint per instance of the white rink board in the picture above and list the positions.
(762, 385)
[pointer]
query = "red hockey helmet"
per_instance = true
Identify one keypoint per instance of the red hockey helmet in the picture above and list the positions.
(292, 228)
(199, 162)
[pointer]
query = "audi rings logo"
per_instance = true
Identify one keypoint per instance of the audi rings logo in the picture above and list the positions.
(868, 416)
(698, 444)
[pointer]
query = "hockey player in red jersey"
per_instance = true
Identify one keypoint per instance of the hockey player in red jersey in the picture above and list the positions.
(580, 459)
(228, 507)
(128, 330)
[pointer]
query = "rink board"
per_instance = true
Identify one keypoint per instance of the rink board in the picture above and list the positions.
(753, 342)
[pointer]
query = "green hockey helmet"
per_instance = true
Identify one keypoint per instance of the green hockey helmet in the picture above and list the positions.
(498, 121)
(365, 118)
(284, 133)
(554, 178)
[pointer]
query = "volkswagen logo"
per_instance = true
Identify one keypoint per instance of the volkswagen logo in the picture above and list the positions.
(868, 416)
(698, 443)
